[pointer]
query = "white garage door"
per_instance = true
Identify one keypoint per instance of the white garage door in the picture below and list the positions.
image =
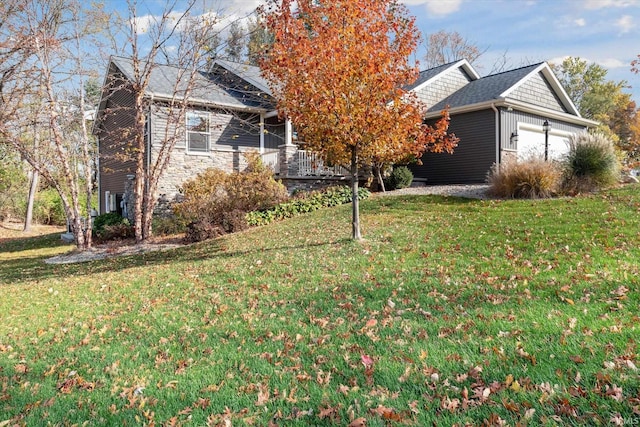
(531, 143)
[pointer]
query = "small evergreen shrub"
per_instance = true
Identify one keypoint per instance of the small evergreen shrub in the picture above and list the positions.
(401, 177)
(529, 179)
(216, 202)
(112, 226)
(592, 163)
(310, 202)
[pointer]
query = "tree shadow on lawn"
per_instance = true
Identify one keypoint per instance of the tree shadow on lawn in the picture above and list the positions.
(35, 268)
(17, 244)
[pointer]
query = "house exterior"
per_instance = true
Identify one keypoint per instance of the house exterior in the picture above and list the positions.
(497, 118)
(230, 112)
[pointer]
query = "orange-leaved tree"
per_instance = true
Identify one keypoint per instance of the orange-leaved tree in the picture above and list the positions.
(338, 69)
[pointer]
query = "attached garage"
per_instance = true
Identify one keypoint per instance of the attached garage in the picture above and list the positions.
(497, 118)
(531, 142)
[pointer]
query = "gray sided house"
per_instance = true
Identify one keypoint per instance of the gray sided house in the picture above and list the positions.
(230, 112)
(497, 118)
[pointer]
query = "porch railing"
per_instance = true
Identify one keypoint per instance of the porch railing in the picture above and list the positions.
(310, 164)
(272, 160)
(303, 163)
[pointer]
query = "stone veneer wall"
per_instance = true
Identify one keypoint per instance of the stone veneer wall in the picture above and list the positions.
(184, 166)
(313, 183)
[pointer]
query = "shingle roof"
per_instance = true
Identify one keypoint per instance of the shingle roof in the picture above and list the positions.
(485, 89)
(162, 83)
(428, 74)
(250, 73)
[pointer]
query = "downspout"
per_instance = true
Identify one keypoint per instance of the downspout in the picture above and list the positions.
(493, 107)
(261, 133)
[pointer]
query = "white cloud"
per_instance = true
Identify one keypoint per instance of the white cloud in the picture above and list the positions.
(612, 63)
(609, 63)
(625, 24)
(599, 4)
(580, 22)
(437, 7)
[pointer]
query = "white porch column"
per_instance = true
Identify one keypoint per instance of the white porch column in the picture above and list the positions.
(288, 132)
(261, 133)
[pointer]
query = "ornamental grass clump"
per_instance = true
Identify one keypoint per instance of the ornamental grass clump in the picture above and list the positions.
(533, 178)
(592, 163)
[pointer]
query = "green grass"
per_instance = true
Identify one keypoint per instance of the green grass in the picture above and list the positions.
(472, 311)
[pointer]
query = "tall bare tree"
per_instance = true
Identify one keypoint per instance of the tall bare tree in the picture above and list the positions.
(46, 63)
(175, 38)
(444, 47)
(259, 40)
(236, 42)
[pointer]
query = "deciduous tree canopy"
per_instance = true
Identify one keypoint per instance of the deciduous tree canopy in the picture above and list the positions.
(338, 70)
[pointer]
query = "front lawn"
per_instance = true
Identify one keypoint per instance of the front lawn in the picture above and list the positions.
(452, 311)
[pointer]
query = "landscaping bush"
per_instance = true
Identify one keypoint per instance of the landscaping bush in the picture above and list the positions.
(48, 209)
(310, 202)
(592, 163)
(401, 177)
(216, 202)
(529, 179)
(13, 188)
(166, 226)
(112, 226)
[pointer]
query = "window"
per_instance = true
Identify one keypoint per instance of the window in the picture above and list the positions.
(197, 132)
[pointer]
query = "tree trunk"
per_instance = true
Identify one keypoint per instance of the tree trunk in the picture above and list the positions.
(380, 180)
(355, 204)
(33, 189)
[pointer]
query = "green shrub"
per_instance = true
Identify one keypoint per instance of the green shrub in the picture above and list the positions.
(310, 202)
(401, 177)
(48, 209)
(216, 201)
(13, 187)
(112, 226)
(166, 226)
(529, 179)
(592, 163)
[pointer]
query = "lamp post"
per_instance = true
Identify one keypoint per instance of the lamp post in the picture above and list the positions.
(546, 127)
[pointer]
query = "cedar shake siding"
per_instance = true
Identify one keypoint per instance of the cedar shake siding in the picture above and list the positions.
(443, 86)
(472, 158)
(537, 91)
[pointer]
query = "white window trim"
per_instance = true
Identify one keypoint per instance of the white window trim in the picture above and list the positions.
(208, 133)
(109, 202)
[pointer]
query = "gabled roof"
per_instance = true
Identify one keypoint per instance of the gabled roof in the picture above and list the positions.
(427, 77)
(250, 73)
(166, 79)
(498, 87)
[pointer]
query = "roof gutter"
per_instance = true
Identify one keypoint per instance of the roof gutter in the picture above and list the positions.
(521, 106)
(497, 122)
(205, 103)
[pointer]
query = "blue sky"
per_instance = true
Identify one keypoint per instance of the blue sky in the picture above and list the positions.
(603, 31)
(522, 31)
